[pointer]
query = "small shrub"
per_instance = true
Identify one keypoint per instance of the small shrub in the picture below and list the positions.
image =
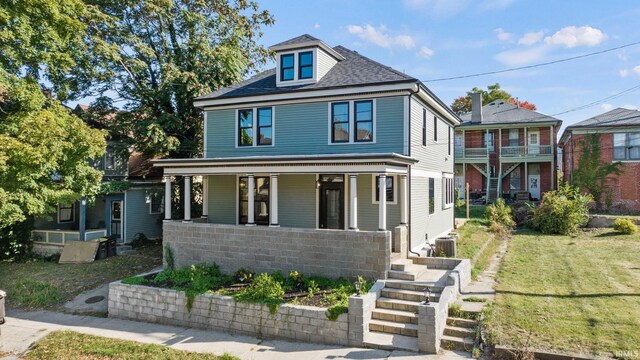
(264, 289)
(500, 214)
(458, 202)
(521, 212)
(243, 275)
(134, 280)
(16, 241)
(625, 226)
(562, 211)
(169, 258)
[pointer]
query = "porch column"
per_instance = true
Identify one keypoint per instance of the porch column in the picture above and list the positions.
(273, 215)
(353, 201)
(205, 196)
(250, 201)
(382, 202)
(187, 198)
(404, 200)
(167, 198)
(82, 220)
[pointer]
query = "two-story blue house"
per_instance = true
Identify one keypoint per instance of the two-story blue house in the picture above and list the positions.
(329, 140)
(134, 206)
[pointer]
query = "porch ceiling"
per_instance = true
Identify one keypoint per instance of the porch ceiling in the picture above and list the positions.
(343, 163)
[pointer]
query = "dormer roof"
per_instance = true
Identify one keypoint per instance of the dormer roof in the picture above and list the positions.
(305, 41)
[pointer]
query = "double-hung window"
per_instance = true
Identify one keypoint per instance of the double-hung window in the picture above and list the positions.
(435, 129)
(305, 65)
(363, 121)
(626, 146)
(255, 127)
(488, 141)
(340, 122)
(389, 189)
(287, 66)
(432, 195)
(245, 127)
(447, 192)
(449, 141)
(265, 126)
(424, 127)
(155, 203)
(514, 137)
(261, 198)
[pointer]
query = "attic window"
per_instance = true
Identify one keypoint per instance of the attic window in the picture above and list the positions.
(286, 67)
(305, 65)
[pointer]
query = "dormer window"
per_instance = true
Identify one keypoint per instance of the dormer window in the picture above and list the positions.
(287, 66)
(305, 63)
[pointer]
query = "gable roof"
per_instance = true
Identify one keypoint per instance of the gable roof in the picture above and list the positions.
(305, 38)
(355, 70)
(503, 112)
(615, 117)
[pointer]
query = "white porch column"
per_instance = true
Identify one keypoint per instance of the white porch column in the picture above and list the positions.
(187, 198)
(250, 201)
(205, 196)
(382, 202)
(404, 200)
(353, 201)
(273, 215)
(167, 198)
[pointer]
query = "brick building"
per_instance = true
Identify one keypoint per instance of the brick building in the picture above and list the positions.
(619, 131)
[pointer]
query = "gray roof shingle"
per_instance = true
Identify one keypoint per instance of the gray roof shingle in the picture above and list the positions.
(504, 112)
(615, 117)
(297, 40)
(355, 70)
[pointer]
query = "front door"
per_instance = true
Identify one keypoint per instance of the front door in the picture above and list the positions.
(116, 219)
(534, 186)
(534, 142)
(331, 202)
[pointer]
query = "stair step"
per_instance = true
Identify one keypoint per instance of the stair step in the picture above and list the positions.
(456, 343)
(410, 295)
(401, 264)
(460, 322)
(411, 285)
(410, 272)
(394, 315)
(392, 327)
(396, 304)
(461, 332)
(384, 341)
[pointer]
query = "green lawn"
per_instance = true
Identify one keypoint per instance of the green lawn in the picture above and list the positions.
(71, 345)
(46, 285)
(475, 212)
(575, 294)
(474, 234)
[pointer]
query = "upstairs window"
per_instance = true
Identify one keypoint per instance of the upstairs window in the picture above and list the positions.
(340, 122)
(305, 65)
(435, 129)
(449, 141)
(255, 127)
(514, 137)
(287, 67)
(626, 146)
(265, 132)
(363, 121)
(110, 158)
(488, 141)
(245, 127)
(424, 127)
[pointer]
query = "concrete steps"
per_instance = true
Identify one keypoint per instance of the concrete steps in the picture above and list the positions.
(456, 343)
(460, 322)
(394, 315)
(392, 327)
(124, 250)
(410, 295)
(461, 332)
(383, 341)
(408, 272)
(412, 285)
(397, 304)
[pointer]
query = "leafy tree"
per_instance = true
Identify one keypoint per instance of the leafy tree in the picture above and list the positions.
(43, 152)
(591, 173)
(494, 92)
(523, 104)
(158, 55)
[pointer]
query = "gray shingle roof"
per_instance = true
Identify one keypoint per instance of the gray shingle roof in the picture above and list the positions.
(298, 40)
(355, 70)
(504, 112)
(615, 117)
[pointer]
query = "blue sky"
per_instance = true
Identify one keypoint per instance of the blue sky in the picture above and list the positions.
(431, 39)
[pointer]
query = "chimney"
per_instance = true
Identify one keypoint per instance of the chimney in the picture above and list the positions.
(476, 107)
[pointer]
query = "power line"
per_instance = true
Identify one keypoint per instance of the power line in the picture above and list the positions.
(534, 65)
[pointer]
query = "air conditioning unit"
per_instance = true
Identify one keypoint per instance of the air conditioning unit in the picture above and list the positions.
(446, 245)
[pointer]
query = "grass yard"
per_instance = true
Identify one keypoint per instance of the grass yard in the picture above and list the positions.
(71, 345)
(474, 234)
(574, 294)
(475, 212)
(46, 285)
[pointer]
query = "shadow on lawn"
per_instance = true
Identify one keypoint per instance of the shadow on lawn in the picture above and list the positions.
(567, 296)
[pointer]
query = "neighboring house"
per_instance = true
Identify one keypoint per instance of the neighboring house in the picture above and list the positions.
(329, 144)
(619, 132)
(506, 149)
(135, 206)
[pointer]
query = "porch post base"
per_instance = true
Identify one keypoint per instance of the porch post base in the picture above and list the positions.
(204, 216)
(187, 221)
(354, 229)
(249, 224)
(274, 225)
(167, 220)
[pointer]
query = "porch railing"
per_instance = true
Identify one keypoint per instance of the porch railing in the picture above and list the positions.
(59, 237)
(524, 151)
(471, 153)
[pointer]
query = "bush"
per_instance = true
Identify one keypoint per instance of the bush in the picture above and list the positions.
(499, 216)
(562, 211)
(264, 289)
(625, 226)
(139, 240)
(521, 212)
(15, 241)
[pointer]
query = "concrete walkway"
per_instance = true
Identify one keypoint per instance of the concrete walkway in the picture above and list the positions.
(24, 328)
(484, 286)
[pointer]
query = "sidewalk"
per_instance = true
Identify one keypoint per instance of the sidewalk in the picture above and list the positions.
(24, 328)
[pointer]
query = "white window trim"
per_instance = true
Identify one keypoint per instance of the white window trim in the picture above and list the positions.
(429, 197)
(296, 81)
(254, 122)
(73, 215)
(626, 146)
(447, 187)
(352, 122)
(161, 196)
(395, 190)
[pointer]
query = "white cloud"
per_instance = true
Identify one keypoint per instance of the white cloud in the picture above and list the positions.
(606, 107)
(437, 8)
(425, 52)
(531, 38)
(503, 35)
(572, 36)
(636, 69)
(517, 57)
(316, 26)
(623, 73)
(380, 36)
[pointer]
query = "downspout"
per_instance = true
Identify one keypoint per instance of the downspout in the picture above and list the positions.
(409, 174)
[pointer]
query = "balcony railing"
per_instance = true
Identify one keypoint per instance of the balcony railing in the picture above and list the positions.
(526, 151)
(59, 237)
(471, 153)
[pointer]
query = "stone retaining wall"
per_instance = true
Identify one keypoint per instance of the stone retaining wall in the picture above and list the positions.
(165, 306)
(330, 253)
